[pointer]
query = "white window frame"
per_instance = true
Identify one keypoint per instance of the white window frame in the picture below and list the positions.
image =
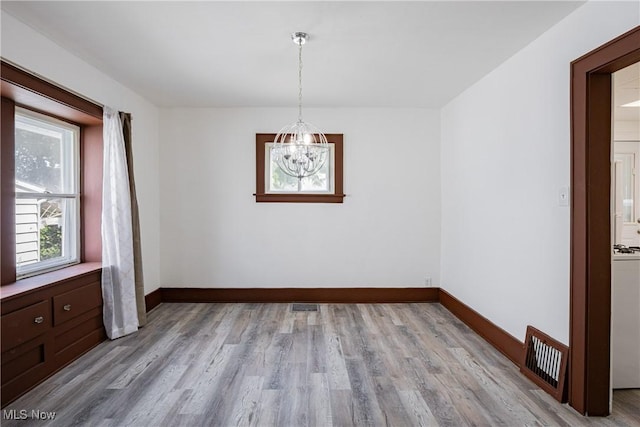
(71, 219)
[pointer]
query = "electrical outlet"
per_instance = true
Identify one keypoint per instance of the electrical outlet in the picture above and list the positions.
(427, 281)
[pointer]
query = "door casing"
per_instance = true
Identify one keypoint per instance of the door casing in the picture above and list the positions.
(590, 265)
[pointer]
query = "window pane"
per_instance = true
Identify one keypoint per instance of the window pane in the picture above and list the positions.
(44, 156)
(45, 230)
(47, 206)
(280, 182)
(317, 182)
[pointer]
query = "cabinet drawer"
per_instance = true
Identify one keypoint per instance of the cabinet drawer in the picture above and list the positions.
(73, 303)
(19, 360)
(24, 324)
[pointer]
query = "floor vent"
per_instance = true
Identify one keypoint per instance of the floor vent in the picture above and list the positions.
(304, 307)
(545, 362)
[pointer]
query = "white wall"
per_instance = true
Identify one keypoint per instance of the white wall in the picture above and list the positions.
(505, 154)
(29, 49)
(385, 234)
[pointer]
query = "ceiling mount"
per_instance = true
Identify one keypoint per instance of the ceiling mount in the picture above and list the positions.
(299, 38)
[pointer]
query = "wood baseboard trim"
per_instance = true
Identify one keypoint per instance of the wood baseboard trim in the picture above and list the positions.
(311, 295)
(153, 299)
(504, 342)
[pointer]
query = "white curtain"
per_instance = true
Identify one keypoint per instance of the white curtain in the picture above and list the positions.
(118, 278)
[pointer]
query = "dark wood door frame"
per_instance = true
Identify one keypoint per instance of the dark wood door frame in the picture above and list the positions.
(590, 299)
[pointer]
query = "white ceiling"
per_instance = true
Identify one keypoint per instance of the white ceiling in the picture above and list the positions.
(228, 54)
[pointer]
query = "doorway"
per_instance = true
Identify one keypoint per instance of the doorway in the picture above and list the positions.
(590, 288)
(625, 238)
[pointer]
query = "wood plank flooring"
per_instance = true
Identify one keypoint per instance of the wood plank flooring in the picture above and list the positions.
(264, 365)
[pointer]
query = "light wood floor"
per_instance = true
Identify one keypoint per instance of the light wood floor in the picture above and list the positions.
(263, 365)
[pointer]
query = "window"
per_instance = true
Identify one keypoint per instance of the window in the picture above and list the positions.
(279, 182)
(22, 88)
(47, 199)
(273, 185)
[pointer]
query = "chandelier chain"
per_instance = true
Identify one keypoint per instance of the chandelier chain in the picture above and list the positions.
(300, 82)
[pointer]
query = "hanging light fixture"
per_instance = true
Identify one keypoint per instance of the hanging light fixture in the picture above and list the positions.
(300, 149)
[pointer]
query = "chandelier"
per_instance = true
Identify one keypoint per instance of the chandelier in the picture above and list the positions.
(300, 149)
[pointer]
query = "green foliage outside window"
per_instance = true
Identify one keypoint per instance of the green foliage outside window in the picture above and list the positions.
(50, 242)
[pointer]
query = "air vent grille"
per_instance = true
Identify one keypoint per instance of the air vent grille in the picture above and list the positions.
(304, 307)
(545, 362)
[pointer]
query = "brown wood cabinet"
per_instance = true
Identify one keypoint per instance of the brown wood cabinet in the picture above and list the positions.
(47, 322)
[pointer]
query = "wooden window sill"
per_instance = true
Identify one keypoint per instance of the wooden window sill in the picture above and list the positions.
(31, 284)
(300, 198)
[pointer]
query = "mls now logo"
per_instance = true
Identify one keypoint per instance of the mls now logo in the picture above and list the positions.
(23, 414)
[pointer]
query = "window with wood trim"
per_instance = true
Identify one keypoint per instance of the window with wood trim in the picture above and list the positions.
(58, 111)
(47, 193)
(273, 185)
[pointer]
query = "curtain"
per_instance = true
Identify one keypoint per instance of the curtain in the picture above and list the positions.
(125, 118)
(118, 270)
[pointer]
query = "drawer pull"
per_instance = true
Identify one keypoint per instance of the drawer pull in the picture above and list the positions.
(66, 307)
(38, 319)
